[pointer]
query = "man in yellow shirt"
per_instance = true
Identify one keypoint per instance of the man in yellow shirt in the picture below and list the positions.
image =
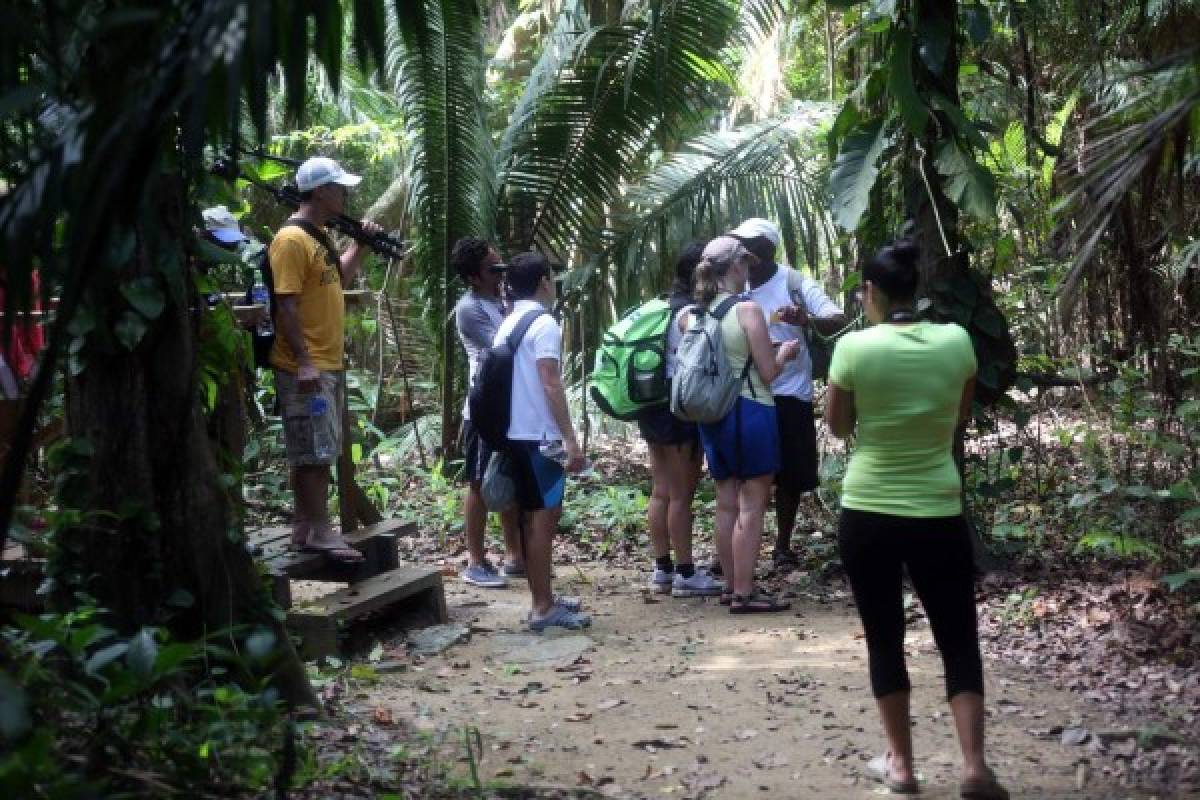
(307, 355)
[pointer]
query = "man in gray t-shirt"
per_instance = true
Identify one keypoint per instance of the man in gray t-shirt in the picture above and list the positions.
(477, 316)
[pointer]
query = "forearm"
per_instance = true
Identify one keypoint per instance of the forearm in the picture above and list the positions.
(350, 263)
(288, 323)
(841, 414)
(556, 398)
(827, 326)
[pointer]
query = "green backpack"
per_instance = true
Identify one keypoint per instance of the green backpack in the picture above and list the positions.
(630, 375)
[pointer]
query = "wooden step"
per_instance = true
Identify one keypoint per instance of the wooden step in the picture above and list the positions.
(319, 623)
(376, 542)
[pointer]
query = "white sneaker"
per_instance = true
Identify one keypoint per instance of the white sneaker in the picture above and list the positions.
(661, 581)
(701, 584)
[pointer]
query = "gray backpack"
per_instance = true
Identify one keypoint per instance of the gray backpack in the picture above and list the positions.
(705, 387)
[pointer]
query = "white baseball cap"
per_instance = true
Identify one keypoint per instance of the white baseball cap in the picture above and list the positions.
(757, 226)
(222, 225)
(319, 171)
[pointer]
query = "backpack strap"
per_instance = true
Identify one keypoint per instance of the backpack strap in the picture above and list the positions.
(316, 233)
(719, 313)
(723, 307)
(518, 333)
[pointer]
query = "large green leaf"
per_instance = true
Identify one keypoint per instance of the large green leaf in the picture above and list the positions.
(969, 185)
(854, 172)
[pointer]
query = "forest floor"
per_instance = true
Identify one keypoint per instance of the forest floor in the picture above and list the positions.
(1093, 692)
(666, 697)
(1092, 673)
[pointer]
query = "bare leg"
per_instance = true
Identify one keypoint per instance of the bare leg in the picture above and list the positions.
(311, 487)
(967, 708)
(786, 504)
(474, 524)
(897, 727)
(300, 516)
(684, 474)
(727, 514)
(660, 498)
(747, 535)
(539, 547)
(512, 537)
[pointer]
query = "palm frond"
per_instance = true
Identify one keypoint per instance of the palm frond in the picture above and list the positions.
(624, 85)
(715, 180)
(436, 63)
(1148, 112)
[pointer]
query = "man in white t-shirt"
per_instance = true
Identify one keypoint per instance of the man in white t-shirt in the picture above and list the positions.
(477, 316)
(541, 437)
(791, 301)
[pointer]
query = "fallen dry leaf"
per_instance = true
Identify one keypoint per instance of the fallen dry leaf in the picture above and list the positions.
(771, 761)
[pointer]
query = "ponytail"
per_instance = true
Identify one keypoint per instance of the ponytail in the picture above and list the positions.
(704, 281)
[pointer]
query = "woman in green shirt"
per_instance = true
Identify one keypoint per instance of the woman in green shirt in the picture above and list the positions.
(907, 384)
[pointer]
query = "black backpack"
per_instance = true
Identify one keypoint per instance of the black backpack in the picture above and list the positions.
(490, 399)
(262, 341)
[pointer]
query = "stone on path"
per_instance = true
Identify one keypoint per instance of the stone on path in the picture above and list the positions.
(550, 649)
(433, 640)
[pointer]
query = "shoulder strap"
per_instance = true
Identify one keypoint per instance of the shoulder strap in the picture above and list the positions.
(314, 232)
(723, 307)
(518, 333)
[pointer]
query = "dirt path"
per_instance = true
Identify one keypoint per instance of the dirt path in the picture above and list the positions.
(677, 698)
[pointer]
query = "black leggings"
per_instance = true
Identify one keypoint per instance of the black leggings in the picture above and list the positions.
(937, 553)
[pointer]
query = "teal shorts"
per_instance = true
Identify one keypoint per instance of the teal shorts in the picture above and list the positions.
(539, 481)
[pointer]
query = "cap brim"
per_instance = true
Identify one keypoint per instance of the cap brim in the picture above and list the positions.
(227, 235)
(347, 179)
(744, 232)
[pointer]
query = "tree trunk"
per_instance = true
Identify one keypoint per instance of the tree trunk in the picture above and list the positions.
(160, 542)
(935, 217)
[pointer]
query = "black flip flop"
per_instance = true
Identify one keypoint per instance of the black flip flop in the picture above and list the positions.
(983, 789)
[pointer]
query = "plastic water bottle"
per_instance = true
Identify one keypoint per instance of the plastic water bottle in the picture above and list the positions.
(318, 407)
(558, 454)
(260, 296)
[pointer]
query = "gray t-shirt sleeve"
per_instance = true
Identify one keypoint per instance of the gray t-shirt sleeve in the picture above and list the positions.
(475, 326)
(477, 321)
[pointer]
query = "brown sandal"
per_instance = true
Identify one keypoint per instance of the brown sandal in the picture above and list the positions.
(757, 603)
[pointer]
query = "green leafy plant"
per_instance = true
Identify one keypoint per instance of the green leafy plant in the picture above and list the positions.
(89, 712)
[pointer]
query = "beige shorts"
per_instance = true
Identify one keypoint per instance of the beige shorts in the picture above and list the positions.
(306, 436)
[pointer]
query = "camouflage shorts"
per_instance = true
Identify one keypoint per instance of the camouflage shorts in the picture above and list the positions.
(301, 431)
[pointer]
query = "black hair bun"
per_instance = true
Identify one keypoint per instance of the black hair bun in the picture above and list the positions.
(905, 252)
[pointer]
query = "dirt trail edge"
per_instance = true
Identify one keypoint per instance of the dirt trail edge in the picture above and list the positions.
(678, 698)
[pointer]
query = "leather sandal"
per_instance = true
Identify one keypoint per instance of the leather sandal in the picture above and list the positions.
(757, 603)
